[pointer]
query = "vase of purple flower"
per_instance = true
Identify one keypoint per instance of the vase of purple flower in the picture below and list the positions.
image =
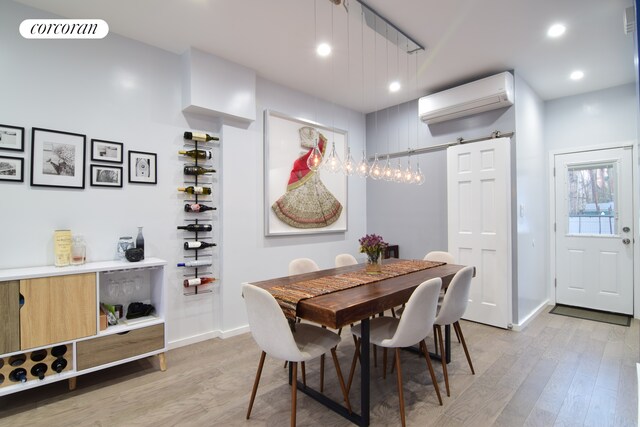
(373, 246)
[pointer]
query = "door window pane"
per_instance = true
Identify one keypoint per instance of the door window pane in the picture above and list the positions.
(592, 199)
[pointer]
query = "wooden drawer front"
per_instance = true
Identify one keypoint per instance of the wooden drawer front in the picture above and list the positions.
(9, 316)
(103, 350)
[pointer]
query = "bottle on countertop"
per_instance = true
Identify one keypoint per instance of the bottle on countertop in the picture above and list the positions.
(198, 245)
(197, 170)
(195, 227)
(195, 190)
(196, 263)
(196, 154)
(200, 136)
(198, 281)
(198, 207)
(140, 241)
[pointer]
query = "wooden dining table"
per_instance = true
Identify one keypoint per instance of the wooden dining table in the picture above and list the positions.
(358, 304)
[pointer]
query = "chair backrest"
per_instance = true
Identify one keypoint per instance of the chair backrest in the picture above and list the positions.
(345, 259)
(302, 265)
(268, 325)
(456, 298)
(418, 316)
(440, 256)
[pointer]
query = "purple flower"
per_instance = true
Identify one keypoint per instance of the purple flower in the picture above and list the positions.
(372, 245)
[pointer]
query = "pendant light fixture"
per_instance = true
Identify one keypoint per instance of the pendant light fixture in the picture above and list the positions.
(332, 162)
(362, 170)
(418, 177)
(314, 160)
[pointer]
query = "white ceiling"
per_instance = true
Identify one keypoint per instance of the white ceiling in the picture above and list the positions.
(464, 40)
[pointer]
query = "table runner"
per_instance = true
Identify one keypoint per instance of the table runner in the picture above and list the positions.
(289, 295)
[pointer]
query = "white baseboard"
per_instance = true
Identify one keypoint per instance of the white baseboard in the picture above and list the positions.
(193, 339)
(520, 326)
(233, 332)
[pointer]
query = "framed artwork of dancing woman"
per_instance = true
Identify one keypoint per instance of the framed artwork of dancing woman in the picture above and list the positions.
(297, 199)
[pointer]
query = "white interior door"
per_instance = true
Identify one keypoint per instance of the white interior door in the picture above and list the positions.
(594, 229)
(479, 214)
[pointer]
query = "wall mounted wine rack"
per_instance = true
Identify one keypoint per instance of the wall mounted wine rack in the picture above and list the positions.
(198, 236)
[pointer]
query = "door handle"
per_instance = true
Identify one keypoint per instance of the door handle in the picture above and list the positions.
(626, 241)
(626, 229)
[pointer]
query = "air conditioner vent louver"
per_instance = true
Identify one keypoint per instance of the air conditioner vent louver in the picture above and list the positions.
(476, 97)
(629, 21)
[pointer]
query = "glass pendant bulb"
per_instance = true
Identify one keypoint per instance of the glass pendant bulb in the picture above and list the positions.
(315, 158)
(408, 173)
(387, 172)
(376, 170)
(349, 165)
(363, 167)
(418, 177)
(333, 163)
(398, 173)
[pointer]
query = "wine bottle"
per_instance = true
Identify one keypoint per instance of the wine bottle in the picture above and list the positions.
(59, 364)
(196, 154)
(195, 227)
(17, 360)
(197, 170)
(18, 375)
(199, 136)
(197, 207)
(38, 370)
(59, 350)
(195, 263)
(198, 281)
(198, 245)
(195, 190)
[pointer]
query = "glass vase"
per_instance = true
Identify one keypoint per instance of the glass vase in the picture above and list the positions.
(374, 263)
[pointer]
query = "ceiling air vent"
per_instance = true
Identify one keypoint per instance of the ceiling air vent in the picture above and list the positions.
(629, 20)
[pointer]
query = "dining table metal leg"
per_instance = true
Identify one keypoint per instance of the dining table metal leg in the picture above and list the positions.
(365, 372)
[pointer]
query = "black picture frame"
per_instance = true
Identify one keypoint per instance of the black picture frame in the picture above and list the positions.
(107, 151)
(57, 158)
(100, 176)
(143, 167)
(7, 173)
(11, 138)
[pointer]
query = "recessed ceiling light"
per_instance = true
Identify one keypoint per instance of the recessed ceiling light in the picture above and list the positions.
(323, 49)
(394, 86)
(576, 75)
(556, 30)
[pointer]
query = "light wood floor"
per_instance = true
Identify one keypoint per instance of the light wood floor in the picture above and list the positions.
(558, 371)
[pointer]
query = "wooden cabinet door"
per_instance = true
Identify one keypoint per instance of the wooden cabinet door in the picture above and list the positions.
(9, 316)
(57, 309)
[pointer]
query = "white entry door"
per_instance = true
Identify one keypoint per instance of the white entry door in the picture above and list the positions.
(594, 229)
(479, 215)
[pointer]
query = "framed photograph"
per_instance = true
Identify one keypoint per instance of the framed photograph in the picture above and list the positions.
(11, 138)
(106, 176)
(11, 169)
(106, 151)
(143, 168)
(297, 199)
(57, 158)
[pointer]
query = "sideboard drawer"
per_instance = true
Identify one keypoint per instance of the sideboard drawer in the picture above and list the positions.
(103, 350)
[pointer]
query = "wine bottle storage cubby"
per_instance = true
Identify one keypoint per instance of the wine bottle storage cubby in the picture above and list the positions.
(196, 176)
(35, 365)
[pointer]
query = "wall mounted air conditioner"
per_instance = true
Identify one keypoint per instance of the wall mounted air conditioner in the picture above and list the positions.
(476, 97)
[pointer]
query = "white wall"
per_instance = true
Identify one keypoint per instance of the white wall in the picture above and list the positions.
(415, 217)
(531, 204)
(122, 90)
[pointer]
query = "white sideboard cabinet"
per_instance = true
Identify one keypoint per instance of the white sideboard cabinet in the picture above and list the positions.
(50, 320)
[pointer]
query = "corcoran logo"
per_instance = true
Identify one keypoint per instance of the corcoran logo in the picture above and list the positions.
(64, 29)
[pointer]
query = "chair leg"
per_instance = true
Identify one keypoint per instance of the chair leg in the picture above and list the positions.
(393, 312)
(443, 359)
(375, 356)
(304, 375)
(423, 346)
(255, 383)
(435, 339)
(457, 335)
(345, 394)
(356, 355)
(285, 364)
(384, 363)
(294, 390)
(458, 329)
(400, 393)
(321, 373)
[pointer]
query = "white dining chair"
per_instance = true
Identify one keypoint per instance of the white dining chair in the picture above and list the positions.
(451, 311)
(412, 328)
(302, 265)
(440, 256)
(272, 333)
(343, 260)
